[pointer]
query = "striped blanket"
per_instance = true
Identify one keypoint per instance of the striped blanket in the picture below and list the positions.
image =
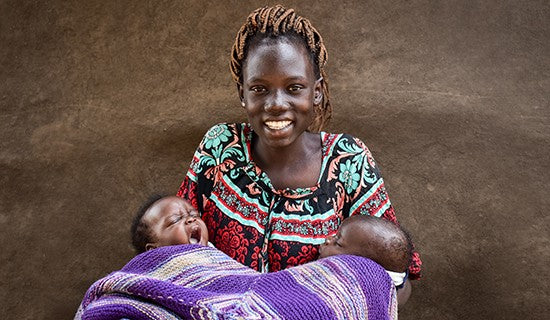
(198, 282)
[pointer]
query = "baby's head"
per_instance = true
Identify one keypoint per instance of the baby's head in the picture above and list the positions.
(377, 239)
(166, 221)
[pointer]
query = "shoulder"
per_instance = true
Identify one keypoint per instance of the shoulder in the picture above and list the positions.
(224, 134)
(343, 143)
(349, 155)
(223, 129)
(224, 145)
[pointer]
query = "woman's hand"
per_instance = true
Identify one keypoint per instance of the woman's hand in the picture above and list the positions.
(404, 293)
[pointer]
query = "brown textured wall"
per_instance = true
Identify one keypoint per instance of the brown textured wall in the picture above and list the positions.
(103, 103)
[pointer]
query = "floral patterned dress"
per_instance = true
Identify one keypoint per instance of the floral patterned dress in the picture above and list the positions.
(269, 229)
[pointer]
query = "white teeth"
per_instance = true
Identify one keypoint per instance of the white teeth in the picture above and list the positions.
(277, 125)
(193, 240)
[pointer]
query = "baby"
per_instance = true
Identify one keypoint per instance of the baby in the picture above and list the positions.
(171, 220)
(377, 239)
(197, 281)
(166, 221)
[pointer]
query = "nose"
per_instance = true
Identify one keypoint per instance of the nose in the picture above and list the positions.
(329, 240)
(190, 219)
(276, 102)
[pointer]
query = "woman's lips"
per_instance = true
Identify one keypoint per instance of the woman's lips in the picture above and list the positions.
(277, 124)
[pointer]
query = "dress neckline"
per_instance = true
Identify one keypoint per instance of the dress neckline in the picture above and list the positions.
(260, 175)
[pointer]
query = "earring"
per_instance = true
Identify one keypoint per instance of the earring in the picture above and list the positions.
(316, 103)
(242, 104)
(318, 98)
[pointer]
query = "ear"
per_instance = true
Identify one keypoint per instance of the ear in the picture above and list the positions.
(150, 246)
(241, 93)
(318, 91)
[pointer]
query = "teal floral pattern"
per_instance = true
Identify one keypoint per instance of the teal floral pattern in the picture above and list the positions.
(216, 136)
(349, 176)
(270, 229)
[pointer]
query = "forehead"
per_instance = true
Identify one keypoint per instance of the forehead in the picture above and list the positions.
(163, 208)
(351, 228)
(277, 56)
(361, 231)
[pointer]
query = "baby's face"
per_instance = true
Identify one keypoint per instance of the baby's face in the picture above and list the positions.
(346, 241)
(172, 221)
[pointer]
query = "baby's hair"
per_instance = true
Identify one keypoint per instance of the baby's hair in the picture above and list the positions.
(397, 250)
(402, 250)
(278, 21)
(140, 231)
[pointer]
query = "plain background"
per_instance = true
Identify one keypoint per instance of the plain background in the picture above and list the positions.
(103, 103)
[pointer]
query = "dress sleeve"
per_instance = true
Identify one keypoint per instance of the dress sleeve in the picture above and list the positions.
(370, 197)
(202, 171)
(189, 187)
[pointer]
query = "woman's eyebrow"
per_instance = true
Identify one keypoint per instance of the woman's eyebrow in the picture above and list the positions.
(291, 78)
(298, 78)
(255, 79)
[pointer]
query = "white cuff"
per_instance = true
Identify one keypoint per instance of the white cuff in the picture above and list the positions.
(397, 277)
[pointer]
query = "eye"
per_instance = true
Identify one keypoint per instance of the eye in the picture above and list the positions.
(295, 88)
(337, 239)
(194, 214)
(258, 89)
(176, 219)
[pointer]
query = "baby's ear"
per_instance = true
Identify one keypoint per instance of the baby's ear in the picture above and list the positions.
(150, 246)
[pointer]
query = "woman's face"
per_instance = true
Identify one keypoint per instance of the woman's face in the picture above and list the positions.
(279, 91)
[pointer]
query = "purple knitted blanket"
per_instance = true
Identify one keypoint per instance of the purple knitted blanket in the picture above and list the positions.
(198, 282)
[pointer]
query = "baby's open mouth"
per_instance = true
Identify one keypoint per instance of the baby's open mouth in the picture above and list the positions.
(195, 236)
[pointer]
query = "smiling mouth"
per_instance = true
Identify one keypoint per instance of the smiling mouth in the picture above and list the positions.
(278, 125)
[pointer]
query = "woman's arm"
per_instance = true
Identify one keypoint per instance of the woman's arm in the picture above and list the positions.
(404, 293)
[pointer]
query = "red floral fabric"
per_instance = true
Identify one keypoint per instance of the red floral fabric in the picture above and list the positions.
(269, 229)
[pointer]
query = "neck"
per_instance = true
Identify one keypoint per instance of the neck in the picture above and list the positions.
(298, 153)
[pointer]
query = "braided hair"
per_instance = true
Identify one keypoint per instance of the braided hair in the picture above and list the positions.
(275, 22)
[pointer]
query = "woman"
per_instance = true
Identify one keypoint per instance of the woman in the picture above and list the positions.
(271, 190)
